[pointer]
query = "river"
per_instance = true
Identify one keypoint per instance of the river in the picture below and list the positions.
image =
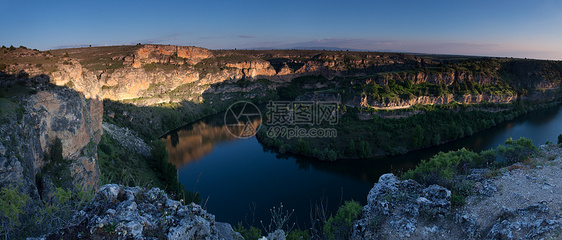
(240, 180)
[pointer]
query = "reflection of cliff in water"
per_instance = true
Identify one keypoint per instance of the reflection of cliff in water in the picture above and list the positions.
(192, 142)
(188, 145)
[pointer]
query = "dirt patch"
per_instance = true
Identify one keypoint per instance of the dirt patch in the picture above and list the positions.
(535, 182)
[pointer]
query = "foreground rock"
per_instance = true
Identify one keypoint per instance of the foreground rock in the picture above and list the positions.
(402, 209)
(523, 202)
(131, 212)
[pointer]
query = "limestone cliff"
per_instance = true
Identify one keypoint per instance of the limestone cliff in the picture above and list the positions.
(50, 113)
(396, 103)
(150, 74)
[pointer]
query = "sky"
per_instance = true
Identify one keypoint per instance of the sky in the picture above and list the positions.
(515, 28)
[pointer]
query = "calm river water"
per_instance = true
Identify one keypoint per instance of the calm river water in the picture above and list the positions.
(239, 180)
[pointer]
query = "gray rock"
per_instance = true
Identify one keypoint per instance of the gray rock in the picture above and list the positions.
(108, 192)
(397, 206)
(2, 149)
(277, 235)
(469, 223)
(528, 222)
(138, 214)
(435, 199)
(225, 231)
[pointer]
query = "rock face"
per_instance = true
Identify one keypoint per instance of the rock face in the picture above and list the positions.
(368, 101)
(76, 121)
(51, 113)
(395, 208)
(167, 54)
(514, 205)
(135, 213)
(152, 74)
(446, 78)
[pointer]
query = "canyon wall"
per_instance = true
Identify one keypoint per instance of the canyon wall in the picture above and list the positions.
(396, 103)
(28, 134)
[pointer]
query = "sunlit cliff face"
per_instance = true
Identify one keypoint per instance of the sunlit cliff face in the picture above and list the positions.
(185, 146)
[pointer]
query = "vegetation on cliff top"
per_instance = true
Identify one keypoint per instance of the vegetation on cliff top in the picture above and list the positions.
(450, 169)
(426, 126)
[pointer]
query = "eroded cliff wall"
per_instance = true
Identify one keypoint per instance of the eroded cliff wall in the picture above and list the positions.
(28, 134)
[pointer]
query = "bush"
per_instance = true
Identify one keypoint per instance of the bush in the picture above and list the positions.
(248, 233)
(296, 234)
(459, 192)
(11, 207)
(441, 168)
(457, 200)
(560, 139)
(514, 151)
(339, 226)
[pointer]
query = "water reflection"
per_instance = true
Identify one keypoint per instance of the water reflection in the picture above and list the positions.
(192, 142)
(188, 145)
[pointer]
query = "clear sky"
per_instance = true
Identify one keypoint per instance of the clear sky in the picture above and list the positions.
(513, 28)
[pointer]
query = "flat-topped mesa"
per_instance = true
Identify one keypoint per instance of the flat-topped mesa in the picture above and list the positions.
(167, 54)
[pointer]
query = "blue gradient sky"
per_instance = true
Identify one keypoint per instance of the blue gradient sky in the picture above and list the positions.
(531, 29)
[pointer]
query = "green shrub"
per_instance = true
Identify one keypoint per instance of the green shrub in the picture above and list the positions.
(339, 226)
(457, 200)
(11, 207)
(441, 168)
(248, 233)
(514, 151)
(297, 234)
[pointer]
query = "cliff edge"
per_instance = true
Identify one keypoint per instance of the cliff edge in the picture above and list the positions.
(522, 202)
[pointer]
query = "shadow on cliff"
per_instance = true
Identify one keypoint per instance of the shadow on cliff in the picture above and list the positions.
(47, 132)
(22, 78)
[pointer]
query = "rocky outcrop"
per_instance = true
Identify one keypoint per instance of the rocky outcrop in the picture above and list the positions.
(521, 203)
(446, 78)
(252, 69)
(135, 213)
(127, 138)
(76, 121)
(167, 54)
(49, 114)
(397, 208)
(368, 101)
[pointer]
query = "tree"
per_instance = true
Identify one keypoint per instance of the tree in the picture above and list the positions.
(417, 138)
(559, 138)
(339, 226)
(408, 83)
(364, 149)
(351, 148)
